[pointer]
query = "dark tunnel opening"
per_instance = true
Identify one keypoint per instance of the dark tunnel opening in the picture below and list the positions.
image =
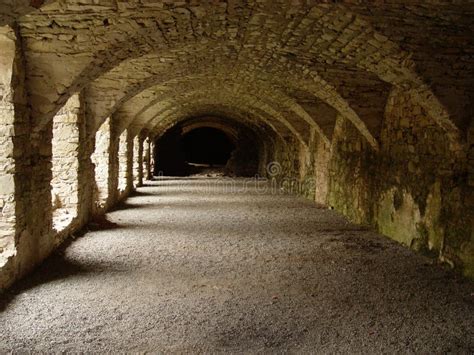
(207, 146)
(182, 151)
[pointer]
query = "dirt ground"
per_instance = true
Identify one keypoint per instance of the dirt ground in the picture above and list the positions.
(194, 265)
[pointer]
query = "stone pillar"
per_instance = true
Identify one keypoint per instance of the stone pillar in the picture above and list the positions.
(25, 156)
(146, 159)
(470, 155)
(16, 242)
(114, 163)
(123, 160)
(39, 236)
(141, 159)
(152, 159)
(67, 127)
(129, 162)
(137, 161)
(321, 170)
(101, 159)
(85, 174)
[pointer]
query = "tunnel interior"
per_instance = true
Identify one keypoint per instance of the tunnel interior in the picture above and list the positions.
(200, 146)
(344, 103)
(206, 146)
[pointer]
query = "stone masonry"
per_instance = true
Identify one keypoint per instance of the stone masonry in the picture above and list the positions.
(366, 106)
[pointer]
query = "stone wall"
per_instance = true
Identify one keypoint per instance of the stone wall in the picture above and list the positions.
(7, 161)
(61, 157)
(423, 196)
(245, 158)
(312, 80)
(416, 189)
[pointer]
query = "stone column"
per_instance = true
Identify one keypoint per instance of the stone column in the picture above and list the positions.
(68, 136)
(152, 159)
(146, 159)
(137, 161)
(129, 162)
(113, 163)
(21, 159)
(101, 160)
(85, 174)
(123, 164)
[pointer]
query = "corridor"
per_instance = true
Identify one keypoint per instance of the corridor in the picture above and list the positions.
(210, 265)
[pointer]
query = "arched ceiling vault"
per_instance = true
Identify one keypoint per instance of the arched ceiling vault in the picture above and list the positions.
(70, 43)
(251, 110)
(272, 101)
(229, 127)
(228, 114)
(299, 85)
(231, 123)
(201, 105)
(173, 114)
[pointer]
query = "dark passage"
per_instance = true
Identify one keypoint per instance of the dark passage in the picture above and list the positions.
(207, 146)
(179, 154)
(169, 157)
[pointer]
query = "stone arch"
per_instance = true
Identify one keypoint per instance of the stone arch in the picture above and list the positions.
(337, 34)
(270, 97)
(251, 107)
(211, 122)
(306, 78)
(251, 143)
(266, 140)
(242, 94)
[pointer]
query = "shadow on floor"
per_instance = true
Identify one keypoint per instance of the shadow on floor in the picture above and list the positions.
(137, 193)
(56, 267)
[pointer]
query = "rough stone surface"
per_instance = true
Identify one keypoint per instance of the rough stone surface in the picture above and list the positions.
(137, 160)
(101, 161)
(65, 164)
(419, 183)
(200, 265)
(365, 107)
(123, 164)
(7, 162)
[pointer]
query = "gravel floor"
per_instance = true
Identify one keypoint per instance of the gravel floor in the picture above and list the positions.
(194, 266)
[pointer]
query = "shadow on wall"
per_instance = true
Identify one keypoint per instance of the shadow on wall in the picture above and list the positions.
(416, 189)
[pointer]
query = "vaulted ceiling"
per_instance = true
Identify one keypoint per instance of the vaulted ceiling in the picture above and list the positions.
(287, 65)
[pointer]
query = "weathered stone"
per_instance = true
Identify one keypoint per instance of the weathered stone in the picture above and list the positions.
(360, 109)
(7, 185)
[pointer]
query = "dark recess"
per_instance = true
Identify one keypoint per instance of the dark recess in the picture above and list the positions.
(177, 154)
